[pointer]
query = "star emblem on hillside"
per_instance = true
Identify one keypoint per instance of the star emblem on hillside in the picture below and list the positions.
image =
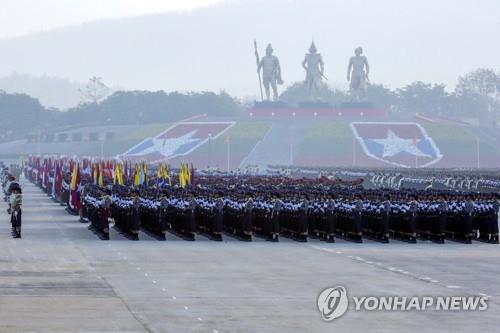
(167, 147)
(394, 145)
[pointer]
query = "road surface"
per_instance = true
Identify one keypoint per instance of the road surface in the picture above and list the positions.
(60, 278)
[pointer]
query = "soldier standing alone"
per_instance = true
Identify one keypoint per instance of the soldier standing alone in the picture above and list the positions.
(15, 201)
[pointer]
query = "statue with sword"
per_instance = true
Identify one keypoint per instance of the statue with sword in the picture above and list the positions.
(315, 71)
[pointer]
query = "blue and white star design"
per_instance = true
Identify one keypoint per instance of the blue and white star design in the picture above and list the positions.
(394, 145)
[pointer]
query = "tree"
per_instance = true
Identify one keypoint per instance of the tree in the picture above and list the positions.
(480, 91)
(484, 82)
(420, 97)
(95, 91)
(380, 96)
(298, 92)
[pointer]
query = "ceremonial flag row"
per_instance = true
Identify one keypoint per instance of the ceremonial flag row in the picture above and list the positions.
(57, 175)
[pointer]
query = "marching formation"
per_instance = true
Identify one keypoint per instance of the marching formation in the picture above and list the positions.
(158, 200)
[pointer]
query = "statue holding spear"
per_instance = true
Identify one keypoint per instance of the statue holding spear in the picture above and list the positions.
(271, 72)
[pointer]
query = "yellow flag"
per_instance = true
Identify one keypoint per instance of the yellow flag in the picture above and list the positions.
(182, 179)
(137, 176)
(101, 171)
(94, 173)
(120, 174)
(159, 171)
(74, 175)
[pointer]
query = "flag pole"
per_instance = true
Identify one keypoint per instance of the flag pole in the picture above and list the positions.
(416, 153)
(257, 58)
(228, 153)
(477, 153)
(354, 152)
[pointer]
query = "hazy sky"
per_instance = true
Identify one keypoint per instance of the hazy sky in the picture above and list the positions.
(405, 40)
(20, 17)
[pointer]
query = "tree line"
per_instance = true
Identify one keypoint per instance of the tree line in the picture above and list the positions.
(477, 94)
(22, 115)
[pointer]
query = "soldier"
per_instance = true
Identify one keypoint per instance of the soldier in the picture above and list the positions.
(163, 214)
(190, 226)
(274, 230)
(468, 210)
(439, 229)
(303, 219)
(135, 223)
(331, 220)
(413, 211)
(271, 72)
(106, 213)
(315, 71)
(383, 230)
(15, 202)
(219, 216)
(358, 220)
(248, 219)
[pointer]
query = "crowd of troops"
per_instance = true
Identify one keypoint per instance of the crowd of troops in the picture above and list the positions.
(272, 206)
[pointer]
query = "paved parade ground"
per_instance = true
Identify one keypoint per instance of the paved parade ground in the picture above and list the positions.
(60, 278)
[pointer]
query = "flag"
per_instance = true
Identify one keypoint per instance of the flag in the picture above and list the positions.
(191, 175)
(182, 176)
(120, 174)
(137, 175)
(58, 179)
(54, 172)
(178, 140)
(396, 143)
(95, 173)
(74, 195)
(101, 175)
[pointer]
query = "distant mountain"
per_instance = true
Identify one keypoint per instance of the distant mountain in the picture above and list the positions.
(52, 92)
(212, 48)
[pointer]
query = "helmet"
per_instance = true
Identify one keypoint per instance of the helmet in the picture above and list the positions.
(269, 49)
(312, 48)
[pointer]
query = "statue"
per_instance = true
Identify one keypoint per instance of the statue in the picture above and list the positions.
(315, 68)
(357, 73)
(271, 72)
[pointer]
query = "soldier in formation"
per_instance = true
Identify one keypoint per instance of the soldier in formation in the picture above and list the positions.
(271, 207)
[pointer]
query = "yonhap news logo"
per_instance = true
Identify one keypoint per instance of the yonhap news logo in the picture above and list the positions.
(334, 302)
